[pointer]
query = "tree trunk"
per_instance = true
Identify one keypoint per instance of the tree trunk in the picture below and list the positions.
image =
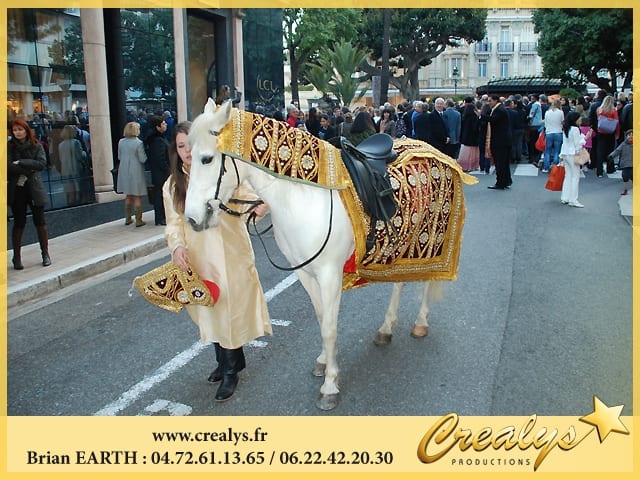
(413, 84)
(295, 94)
(386, 33)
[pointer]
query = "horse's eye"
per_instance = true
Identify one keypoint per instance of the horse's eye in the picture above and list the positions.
(207, 160)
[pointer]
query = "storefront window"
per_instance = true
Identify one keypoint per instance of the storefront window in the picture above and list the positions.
(202, 62)
(263, 61)
(47, 88)
(148, 60)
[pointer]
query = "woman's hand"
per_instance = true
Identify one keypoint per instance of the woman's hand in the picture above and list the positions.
(261, 210)
(180, 257)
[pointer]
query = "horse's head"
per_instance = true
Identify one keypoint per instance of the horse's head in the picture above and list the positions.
(208, 186)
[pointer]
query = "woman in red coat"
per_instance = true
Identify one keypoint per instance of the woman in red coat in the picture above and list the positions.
(607, 115)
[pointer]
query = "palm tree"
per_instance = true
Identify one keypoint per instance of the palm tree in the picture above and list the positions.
(337, 72)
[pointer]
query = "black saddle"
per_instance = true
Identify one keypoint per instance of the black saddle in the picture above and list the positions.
(367, 166)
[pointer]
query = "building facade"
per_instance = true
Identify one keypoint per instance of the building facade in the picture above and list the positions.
(96, 69)
(508, 50)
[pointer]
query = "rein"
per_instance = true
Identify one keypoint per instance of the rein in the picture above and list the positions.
(306, 262)
(252, 215)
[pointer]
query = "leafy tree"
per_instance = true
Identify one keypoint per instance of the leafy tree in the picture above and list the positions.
(67, 55)
(306, 31)
(336, 69)
(578, 44)
(417, 36)
(147, 50)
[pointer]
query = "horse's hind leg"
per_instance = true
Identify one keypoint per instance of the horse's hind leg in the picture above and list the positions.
(421, 326)
(385, 332)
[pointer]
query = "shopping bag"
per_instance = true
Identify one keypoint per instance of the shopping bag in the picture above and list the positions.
(556, 178)
(581, 157)
(541, 142)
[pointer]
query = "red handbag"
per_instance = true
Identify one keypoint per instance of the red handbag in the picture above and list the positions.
(541, 142)
(556, 178)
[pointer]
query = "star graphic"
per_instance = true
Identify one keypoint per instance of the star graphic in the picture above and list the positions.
(605, 419)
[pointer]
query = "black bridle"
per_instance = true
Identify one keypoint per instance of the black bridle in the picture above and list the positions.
(252, 214)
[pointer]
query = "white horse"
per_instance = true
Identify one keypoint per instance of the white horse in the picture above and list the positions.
(301, 218)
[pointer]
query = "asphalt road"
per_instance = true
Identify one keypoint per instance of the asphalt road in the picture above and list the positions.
(539, 321)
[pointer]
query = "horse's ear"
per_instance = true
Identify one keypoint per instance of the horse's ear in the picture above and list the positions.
(210, 107)
(225, 110)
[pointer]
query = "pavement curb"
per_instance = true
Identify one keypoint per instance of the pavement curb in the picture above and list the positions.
(27, 291)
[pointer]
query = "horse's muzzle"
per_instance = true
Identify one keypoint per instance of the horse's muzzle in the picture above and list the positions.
(207, 222)
(197, 226)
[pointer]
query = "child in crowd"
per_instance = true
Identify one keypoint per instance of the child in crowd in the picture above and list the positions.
(624, 153)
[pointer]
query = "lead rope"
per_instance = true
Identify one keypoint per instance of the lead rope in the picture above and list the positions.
(252, 216)
(306, 262)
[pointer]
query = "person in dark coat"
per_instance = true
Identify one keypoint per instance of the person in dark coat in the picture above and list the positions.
(313, 122)
(437, 130)
(158, 155)
(419, 125)
(326, 130)
(25, 160)
(498, 142)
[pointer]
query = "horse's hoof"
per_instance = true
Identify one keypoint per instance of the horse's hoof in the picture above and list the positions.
(382, 339)
(318, 371)
(419, 331)
(327, 402)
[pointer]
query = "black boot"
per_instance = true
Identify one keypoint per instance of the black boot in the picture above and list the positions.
(43, 238)
(16, 240)
(216, 375)
(232, 363)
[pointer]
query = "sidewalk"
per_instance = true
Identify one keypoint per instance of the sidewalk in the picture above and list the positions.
(80, 255)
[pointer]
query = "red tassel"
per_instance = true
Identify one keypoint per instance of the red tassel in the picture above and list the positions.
(213, 289)
(350, 265)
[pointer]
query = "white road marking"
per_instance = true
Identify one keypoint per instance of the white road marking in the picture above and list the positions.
(527, 170)
(177, 362)
(175, 409)
(257, 343)
(279, 288)
(280, 323)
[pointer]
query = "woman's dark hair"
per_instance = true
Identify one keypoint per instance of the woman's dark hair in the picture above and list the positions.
(362, 122)
(155, 121)
(31, 138)
(570, 121)
(179, 179)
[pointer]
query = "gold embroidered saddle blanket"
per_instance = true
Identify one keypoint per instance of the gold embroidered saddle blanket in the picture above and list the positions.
(427, 184)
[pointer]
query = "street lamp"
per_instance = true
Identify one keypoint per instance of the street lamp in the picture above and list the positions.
(455, 73)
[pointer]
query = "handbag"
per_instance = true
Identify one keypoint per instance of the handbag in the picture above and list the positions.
(607, 125)
(581, 157)
(114, 175)
(556, 178)
(541, 142)
(171, 288)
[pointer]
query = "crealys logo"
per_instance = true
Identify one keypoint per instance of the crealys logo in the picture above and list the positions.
(446, 434)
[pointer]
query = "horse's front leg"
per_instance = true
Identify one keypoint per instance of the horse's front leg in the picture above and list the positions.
(313, 290)
(421, 326)
(385, 332)
(325, 294)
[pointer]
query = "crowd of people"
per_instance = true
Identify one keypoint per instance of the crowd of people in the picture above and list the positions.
(491, 131)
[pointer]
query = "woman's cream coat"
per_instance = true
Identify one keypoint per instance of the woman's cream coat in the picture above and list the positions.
(224, 255)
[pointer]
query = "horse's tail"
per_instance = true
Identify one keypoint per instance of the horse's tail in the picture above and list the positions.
(436, 292)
